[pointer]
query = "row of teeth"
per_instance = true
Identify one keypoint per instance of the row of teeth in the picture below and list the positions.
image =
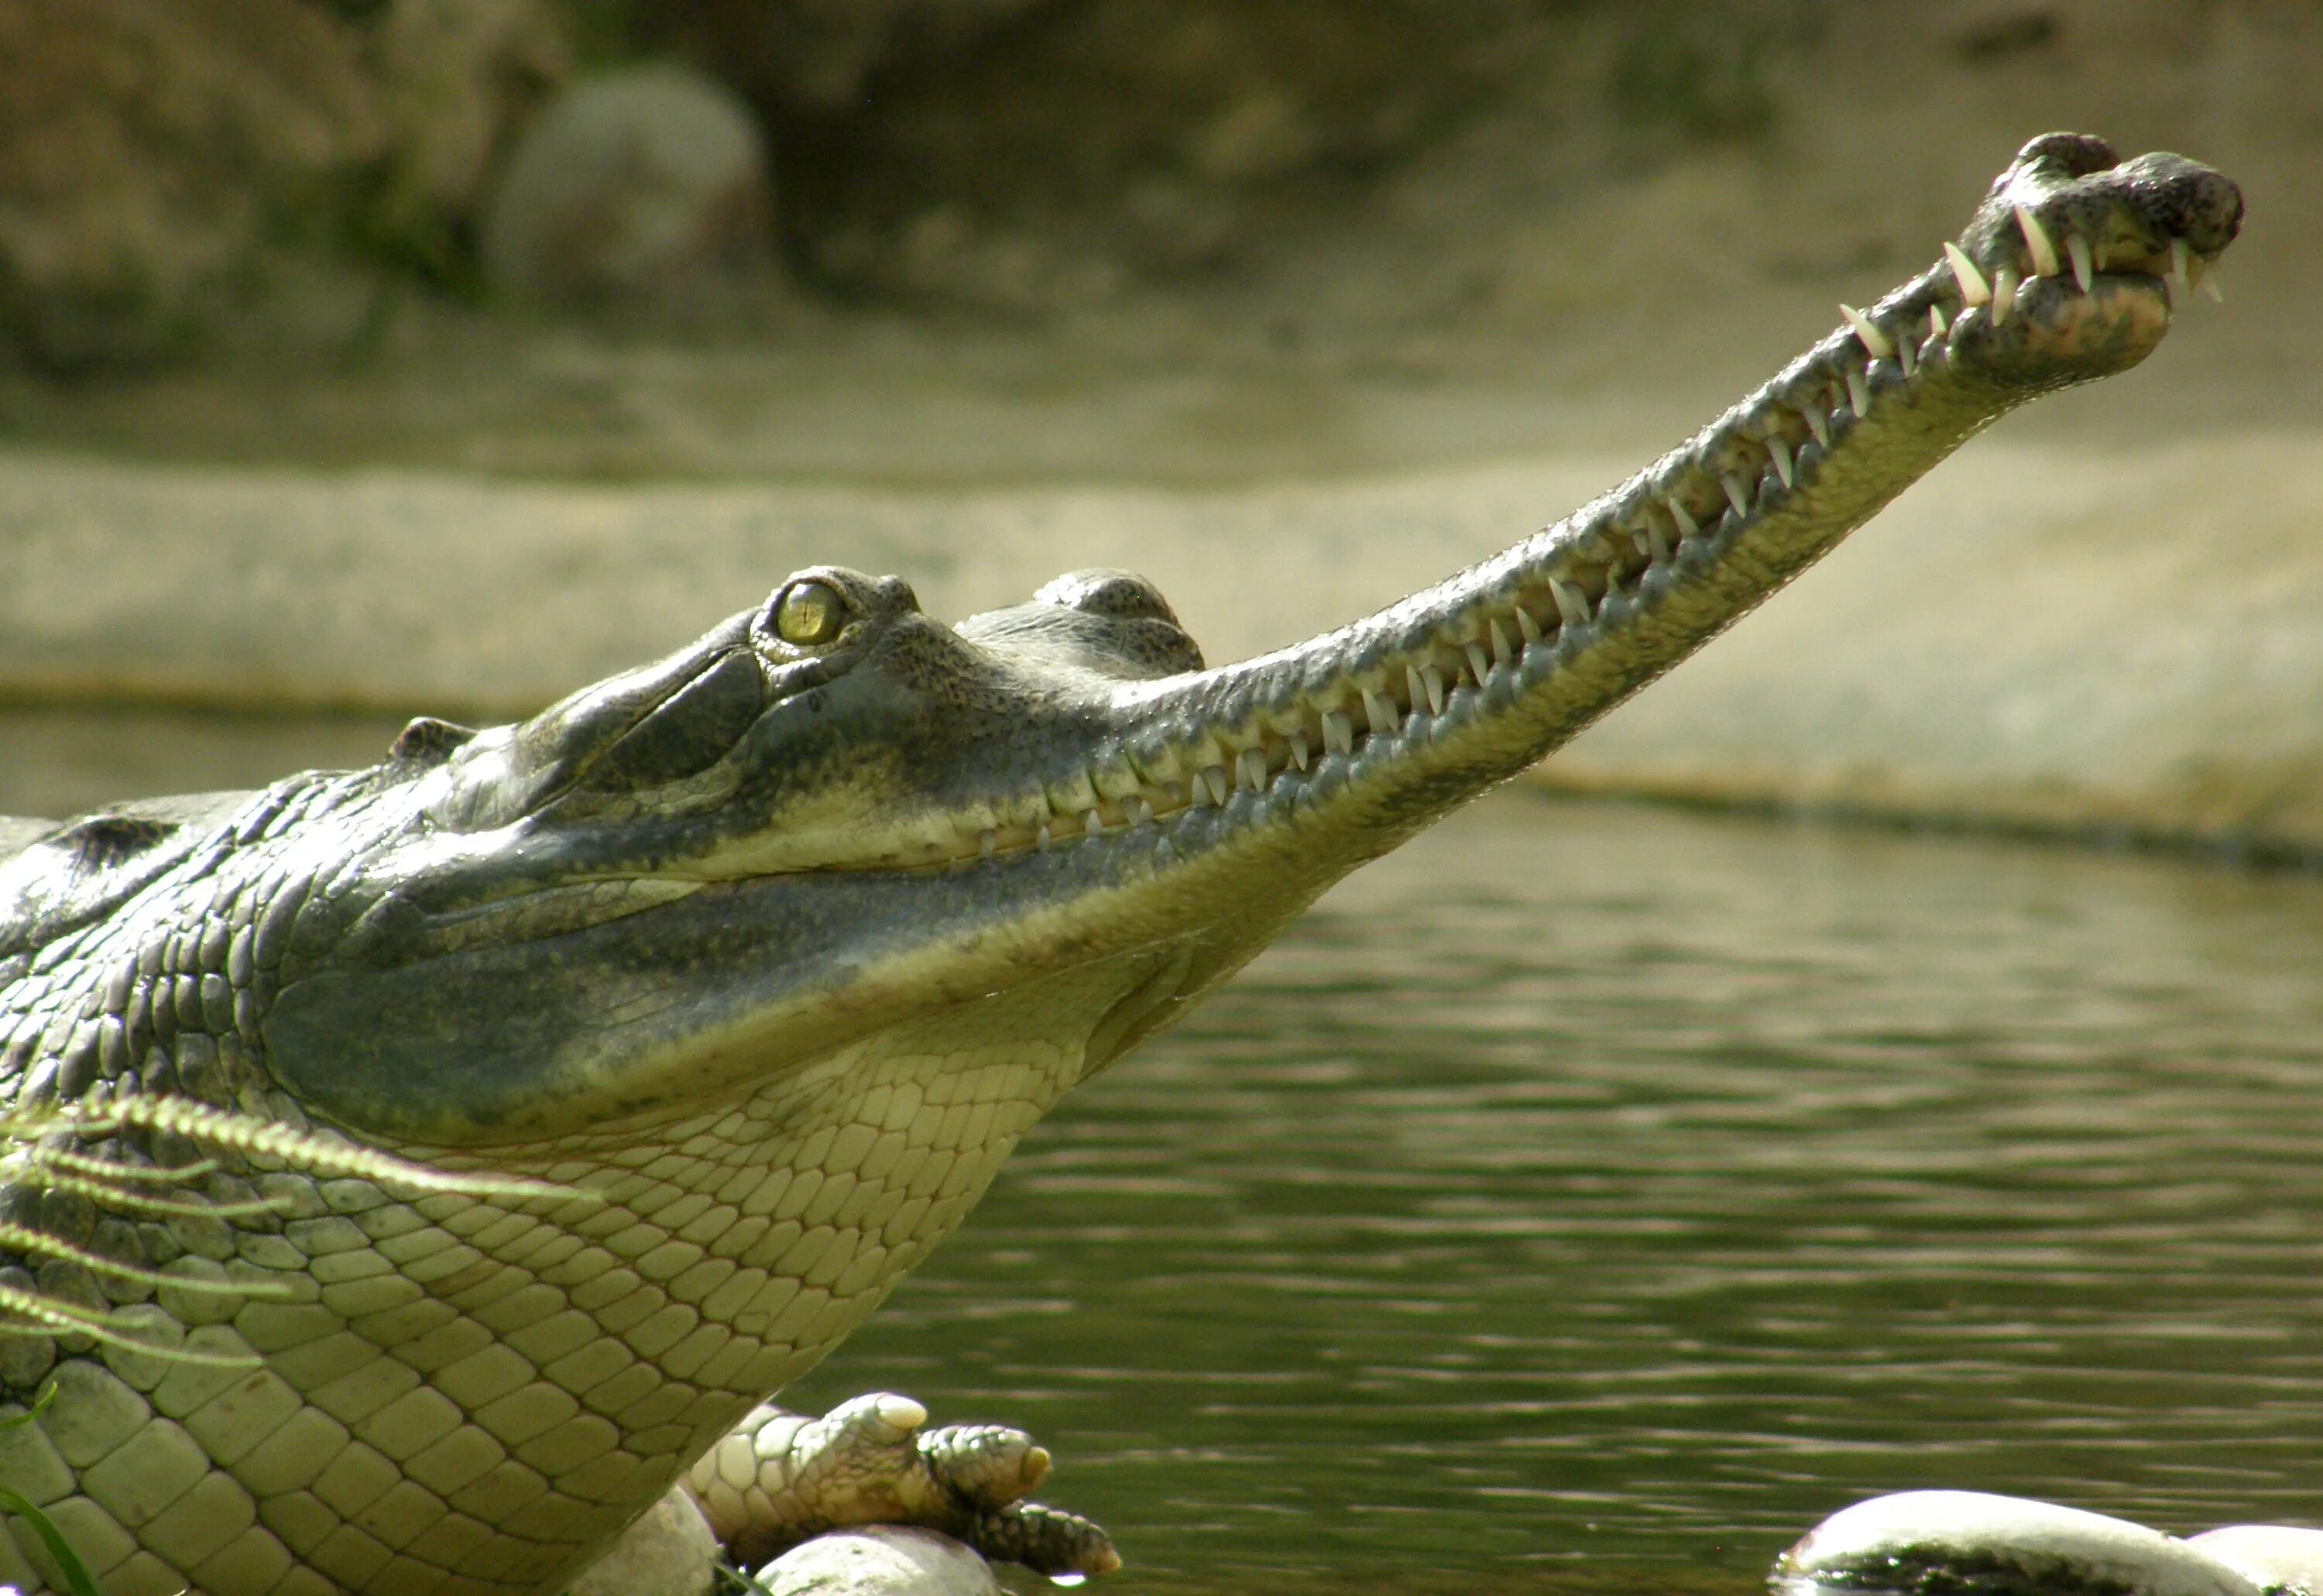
(1764, 458)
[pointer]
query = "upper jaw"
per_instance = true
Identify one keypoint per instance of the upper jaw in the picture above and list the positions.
(2067, 273)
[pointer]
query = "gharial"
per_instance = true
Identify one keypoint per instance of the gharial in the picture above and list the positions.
(760, 959)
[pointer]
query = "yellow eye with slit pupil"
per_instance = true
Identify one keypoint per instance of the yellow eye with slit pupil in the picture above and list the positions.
(809, 613)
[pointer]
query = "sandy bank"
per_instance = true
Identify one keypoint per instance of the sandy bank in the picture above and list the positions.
(2044, 632)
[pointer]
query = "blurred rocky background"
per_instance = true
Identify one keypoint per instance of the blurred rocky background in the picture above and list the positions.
(365, 356)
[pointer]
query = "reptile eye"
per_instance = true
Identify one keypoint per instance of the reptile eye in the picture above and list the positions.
(808, 613)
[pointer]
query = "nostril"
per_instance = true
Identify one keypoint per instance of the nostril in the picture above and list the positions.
(2077, 154)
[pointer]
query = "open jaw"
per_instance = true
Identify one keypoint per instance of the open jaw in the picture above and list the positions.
(2068, 272)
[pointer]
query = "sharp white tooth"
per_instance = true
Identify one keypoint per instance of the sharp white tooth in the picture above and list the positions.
(1431, 681)
(1501, 652)
(2004, 294)
(1880, 345)
(1778, 450)
(2036, 240)
(1093, 823)
(1817, 423)
(1415, 691)
(1299, 756)
(1140, 813)
(1338, 733)
(1738, 494)
(1249, 769)
(1937, 323)
(1529, 626)
(1569, 607)
(1907, 355)
(2210, 285)
(1214, 782)
(2076, 250)
(1380, 713)
(1040, 838)
(1859, 397)
(1687, 527)
(1972, 286)
(1658, 547)
(1479, 664)
(2180, 251)
(988, 843)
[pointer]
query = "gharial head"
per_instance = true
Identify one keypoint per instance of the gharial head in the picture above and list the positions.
(833, 813)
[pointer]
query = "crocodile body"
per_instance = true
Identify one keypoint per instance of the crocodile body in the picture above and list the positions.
(764, 955)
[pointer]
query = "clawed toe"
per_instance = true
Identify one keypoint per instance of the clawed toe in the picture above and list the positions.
(780, 1479)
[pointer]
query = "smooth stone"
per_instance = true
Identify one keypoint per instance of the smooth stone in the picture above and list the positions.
(639, 189)
(1962, 1541)
(2271, 1553)
(669, 1551)
(879, 1560)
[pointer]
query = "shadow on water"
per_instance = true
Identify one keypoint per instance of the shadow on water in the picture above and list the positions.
(1596, 1197)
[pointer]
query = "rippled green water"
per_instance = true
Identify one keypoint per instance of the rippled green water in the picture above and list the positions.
(1598, 1197)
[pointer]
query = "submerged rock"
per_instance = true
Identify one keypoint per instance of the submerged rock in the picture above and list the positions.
(644, 188)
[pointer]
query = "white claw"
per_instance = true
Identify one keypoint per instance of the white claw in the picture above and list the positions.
(2004, 294)
(1687, 527)
(1338, 733)
(1859, 397)
(1817, 423)
(1880, 345)
(1778, 450)
(1972, 287)
(2076, 250)
(1299, 756)
(900, 1413)
(2036, 240)
(1738, 492)
(1501, 652)
(2180, 251)
(1529, 626)
(1380, 713)
(1658, 547)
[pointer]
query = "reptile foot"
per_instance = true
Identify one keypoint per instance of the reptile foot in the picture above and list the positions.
(780, 1479)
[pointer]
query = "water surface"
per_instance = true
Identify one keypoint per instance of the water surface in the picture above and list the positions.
(1596, 1197)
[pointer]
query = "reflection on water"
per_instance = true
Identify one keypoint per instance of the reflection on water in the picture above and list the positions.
(1611, 1194)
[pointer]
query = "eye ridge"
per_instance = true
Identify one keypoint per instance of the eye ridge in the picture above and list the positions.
(809, 613)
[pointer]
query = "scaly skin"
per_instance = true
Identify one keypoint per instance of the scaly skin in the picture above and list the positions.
(766, 955)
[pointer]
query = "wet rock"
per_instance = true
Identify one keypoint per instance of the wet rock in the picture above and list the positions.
(879, 1560)
(643, 190)
(1963, 1542)
(669, 1551)
(2273, 1554)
